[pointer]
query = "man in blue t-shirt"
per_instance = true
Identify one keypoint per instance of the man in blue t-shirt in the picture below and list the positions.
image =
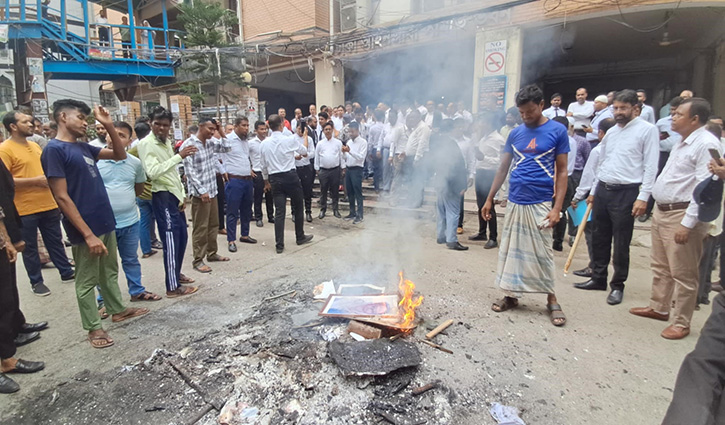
(538, 151)
(76, 183)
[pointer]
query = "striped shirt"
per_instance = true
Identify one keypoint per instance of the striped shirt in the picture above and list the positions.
(200, 168)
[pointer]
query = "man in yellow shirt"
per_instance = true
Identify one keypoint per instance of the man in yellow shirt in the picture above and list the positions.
(34, 201)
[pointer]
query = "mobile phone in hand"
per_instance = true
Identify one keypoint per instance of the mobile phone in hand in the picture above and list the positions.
(715, 154)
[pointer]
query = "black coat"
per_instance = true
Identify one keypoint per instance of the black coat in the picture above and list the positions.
(448, 164)
(7, 203)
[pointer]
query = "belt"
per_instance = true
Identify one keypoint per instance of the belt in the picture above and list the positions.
(355, 168)
(609, 186)
(673, 207)
(329, 169)
(234, 176)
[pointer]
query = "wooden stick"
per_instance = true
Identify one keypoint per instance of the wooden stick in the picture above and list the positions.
(440, 347)
(279, 296)
(579, 234)
(424, 388)
(439, 329)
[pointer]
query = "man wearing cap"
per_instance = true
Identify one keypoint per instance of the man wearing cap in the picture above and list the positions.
(680, 219)
(601, 113)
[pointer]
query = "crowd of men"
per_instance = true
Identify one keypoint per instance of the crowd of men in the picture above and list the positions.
(115, 192)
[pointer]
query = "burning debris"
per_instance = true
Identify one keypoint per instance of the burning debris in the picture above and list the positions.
(376, 357)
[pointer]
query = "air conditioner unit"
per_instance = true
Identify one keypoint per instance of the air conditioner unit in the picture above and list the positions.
(348, 15)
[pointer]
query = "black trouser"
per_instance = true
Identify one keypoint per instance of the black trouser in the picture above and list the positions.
(11, 318)
(221, 199)
(329, 182)
(287, 185)
(664, 156)
(484, 181)
(258, 194)
(560, 229)
(354, 178)
(612, 213)
(307, 179)
(460, 215)
(698, 395)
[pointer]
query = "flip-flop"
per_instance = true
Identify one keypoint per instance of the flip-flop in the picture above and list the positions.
(150, 253)
(216, 257)
(203, 268)
(184, 279)
(506, 303)
(145, 296)
(136, 313)
(556, 313)
(103, 313)
(101, 341)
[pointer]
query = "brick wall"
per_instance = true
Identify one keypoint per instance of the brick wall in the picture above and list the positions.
(261, 16)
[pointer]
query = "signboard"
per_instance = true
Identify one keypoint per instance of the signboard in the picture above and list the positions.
(494, 62)
(4, 33)
(492, 86)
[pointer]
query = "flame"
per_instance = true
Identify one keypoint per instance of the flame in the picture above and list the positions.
(407, 304)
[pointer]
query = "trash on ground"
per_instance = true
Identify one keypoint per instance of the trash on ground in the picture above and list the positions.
(506, 415)
(375, 357)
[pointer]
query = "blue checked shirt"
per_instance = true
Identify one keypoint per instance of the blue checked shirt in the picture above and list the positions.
(201, 168)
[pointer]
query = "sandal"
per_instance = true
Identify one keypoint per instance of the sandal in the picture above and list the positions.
(181, 291)
(216, 257)
(506, 303)
(556, 314)
(150, 253)
(202, 268)
(102, 341)
(184, 279)
(129, 313)
(145, 296)
(102, 312)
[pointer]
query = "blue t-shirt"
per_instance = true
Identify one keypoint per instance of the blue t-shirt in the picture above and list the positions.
(120, 179)
(534, 153)
(76, 163)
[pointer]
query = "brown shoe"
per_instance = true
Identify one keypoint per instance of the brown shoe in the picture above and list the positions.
(459, 231)
(649, 313)
(675, 332)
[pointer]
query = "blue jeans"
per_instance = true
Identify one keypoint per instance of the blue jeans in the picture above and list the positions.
(48, 222)
(449, 206)
(146, 223)
(387, 167)
(240, 196)
(127, 240)
(354, 190)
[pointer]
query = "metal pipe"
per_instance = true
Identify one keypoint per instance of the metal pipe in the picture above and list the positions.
(132, 27)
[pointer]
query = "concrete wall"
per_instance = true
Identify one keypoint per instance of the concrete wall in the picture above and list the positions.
(262, 16)
(512, 67)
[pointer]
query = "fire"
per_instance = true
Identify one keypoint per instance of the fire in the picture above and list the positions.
(407, 304)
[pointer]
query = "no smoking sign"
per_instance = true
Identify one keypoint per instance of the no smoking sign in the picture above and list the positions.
(495, 62)
(494, 58)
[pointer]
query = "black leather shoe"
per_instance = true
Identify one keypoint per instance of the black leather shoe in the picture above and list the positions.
(293, 217)
(24, 366)
(440, 241)
(478, 237)
(305, 239)
(357, 220)
(33, 327)
(24, 339)
(247, 239)
(7, 385)
(591, 286)
(491, 244)
(349, 217)
(260, 223)
(271, 220)
(280, 250)
(322, 215)
(615, 297)
(558, 246)
(337, 214)
(308, 215)
(585, 272)
(456, 246)
(232, 247)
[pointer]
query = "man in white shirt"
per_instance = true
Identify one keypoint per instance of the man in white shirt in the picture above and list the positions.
(601, 113)
(101, 134)
(239, 190)
(328, 162)
(555, 110)
(255, 153)
(625, 175)
(415, 149)
(469, 157)
(280, 176)
(675, 259)
(304, 169)
(581, 110)
(648, 112)
(296, 120)
(375, 155)
(354, 153)
(337, 117)
(398, 140)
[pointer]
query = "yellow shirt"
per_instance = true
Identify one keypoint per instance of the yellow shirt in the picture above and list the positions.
(159, 161)
(23, 161)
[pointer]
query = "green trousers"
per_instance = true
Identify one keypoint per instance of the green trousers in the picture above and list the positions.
(101, 271)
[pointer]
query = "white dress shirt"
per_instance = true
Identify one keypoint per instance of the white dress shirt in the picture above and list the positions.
(571, 158)
(469, 154)
(395, 136)
(664, 125)
(328, 154)
(304, 161)
(588, 174)
(581, 113)
(358, 152)
(255, 146)
(630, 154)
(599, 116)
(490, 146)
(648, 114)
(686, 167)
(237, 161)
(98, 143)
(286, 131)
(338, 122)
(278, 154)
(418, 141)
(552, 112)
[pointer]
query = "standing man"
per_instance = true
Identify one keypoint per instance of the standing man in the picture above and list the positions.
(33, 201)
(159, 161)
(255, 148)
(415, 149)
(648, 112)
(101, 136)
(200, 170)
(125, 33)
(354, 153)
(451, 180)
(625, 176)
(304, 169)
(677, 232)
(280, 176)
(375, 136)
(76, 183)
(240, 184)
(601, 113)
(283, 114)
(328, 162)
(555, 109)
(526, 260)
(468, 151)
(393, 140)
(488, 157)
(582, 111)
(124, 180)
(147, 233)
(296, 120)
